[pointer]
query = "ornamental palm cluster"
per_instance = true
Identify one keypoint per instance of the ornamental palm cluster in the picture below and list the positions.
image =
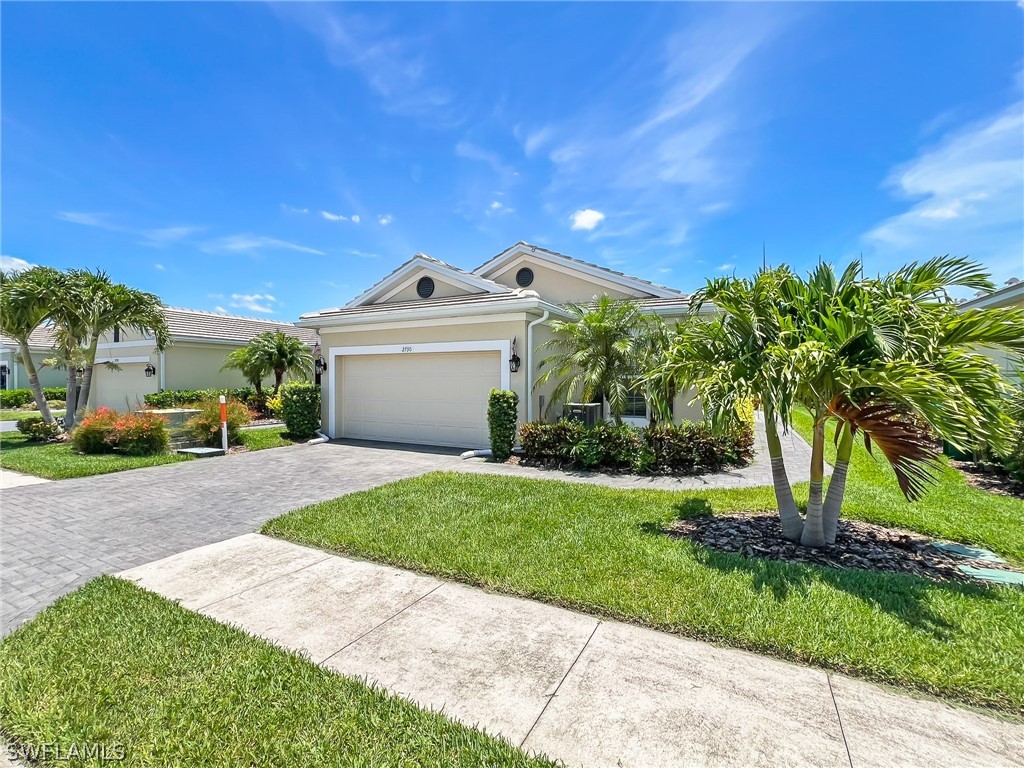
(890, 358)
(271, 353)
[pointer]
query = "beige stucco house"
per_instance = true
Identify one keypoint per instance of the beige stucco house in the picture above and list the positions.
(13, 374)
(413, 358)
(1010, 295)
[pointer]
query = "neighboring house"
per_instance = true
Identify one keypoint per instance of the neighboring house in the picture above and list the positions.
(13, 374)
(1011, 295)
(199, 343)
(413, 358)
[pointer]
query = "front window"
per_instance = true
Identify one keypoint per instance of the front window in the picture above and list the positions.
(636, 406)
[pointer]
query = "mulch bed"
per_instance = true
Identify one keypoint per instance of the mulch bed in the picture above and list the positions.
(858, 545)
(987, 478)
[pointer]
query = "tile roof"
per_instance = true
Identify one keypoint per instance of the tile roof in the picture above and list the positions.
(40, 337)
(422, 257)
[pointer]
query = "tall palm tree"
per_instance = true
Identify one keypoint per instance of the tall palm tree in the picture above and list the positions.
(866, 353)
(283, 354)
(24, 306)
(597, 353)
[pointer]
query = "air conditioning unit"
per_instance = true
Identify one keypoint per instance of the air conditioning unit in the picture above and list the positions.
(588, 413)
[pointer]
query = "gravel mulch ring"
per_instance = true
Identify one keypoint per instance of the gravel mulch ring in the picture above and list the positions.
(989, 479)
(858, 545)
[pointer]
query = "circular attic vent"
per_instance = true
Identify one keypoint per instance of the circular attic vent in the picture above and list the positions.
(425, 287)
(524, 277)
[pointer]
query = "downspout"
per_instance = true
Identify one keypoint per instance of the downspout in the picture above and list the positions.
(163, 370)
(529, 363)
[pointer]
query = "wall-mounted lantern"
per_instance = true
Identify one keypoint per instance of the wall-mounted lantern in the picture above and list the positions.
(150, 370)
(319, 365)
(513, 362)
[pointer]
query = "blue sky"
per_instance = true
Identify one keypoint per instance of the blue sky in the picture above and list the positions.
(273, 159)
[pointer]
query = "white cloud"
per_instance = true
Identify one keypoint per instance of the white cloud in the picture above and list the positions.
(537, 140)
(87, 219)
(253, 302)
(355, 218)
(505, 172)
(665, 270)
(158, 267)
(289, 209)
(725, 267)
(333, 216)
(220, 309)
(246, 243)
(13, 264)
(164, 236)
(384, 219)
(499, 208)
(965, 196)
(363, 254)
(586, 218)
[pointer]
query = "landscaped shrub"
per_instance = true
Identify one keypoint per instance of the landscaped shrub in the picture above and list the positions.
(502, 407)
(34, 428)
(206, 424)
(683, 448)
(15, 398)
(300, 408)
(140, 434)
(274, 406)
(174, 398)
(55, 393)
(1013, 460)
(94, 434)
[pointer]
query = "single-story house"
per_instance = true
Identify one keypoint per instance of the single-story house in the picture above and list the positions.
(1010, 295)
(13, 374)
(413, 358)
(200, 341)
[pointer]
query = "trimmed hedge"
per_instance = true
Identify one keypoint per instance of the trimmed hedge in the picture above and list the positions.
(502, 410)
(15, 398)
(686, 448)
(173, 398)
(300, 408)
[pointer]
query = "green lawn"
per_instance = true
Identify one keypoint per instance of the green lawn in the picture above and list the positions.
(58, 461)
(9, 415)
(270, 437)
(602, 550)
(113, 664)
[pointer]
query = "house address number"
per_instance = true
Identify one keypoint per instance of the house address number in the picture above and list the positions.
(407, 349)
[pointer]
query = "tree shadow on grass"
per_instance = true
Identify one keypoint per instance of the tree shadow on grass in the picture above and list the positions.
(900, 595)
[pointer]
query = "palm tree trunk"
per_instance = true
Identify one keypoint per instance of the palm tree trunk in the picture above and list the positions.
(814, 530)
(837, 485)
(278, 378)
(33, 381)
(90, 364)
(789, 515)
(71, 405)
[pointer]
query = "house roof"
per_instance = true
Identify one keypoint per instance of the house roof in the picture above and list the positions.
(1001, 297)
(508, 254)
(441, 267)
(196, 324)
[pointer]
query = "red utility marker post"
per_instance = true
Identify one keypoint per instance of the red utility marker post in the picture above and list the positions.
(224, 423)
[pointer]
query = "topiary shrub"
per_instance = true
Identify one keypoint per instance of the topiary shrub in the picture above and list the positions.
(140, 434)
(205, 425)
(300, 408)
(37, 430)
(502, 414)
(94, 434)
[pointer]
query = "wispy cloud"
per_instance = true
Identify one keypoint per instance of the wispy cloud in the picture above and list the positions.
(498, 208)
(363, 254)
(98, 220)
(13, 264)
(505, 172)
(395, 66)
(339, 217)
(965, 197)
(245, 243)
(253, 302)
(586, 219)
(725, 267)
(159, 267)
(289, 209)
(384, 219)
(159, 238)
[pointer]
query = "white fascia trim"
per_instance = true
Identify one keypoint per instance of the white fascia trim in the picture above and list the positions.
(502, 346)
(471, 286)
(465, 278)
(569, 265)
(507, 317)
(482, 311)
(119, 360)
(126, 344)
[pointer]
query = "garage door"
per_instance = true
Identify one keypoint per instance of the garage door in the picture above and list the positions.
(121, 390)
(431, 399)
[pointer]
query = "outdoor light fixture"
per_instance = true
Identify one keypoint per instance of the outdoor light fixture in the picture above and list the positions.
(150, 370)
(513, 362)
(80, 371)
(319, 365)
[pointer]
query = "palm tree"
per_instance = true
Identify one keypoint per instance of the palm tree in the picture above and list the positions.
(86, 306)
(24, 306)
(283, 354)
(598, 353)
(252, 366)
(867, 353)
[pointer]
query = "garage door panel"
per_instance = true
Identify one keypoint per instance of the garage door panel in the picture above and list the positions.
(434, 399)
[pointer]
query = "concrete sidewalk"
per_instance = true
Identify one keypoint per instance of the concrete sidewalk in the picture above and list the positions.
(576, 688)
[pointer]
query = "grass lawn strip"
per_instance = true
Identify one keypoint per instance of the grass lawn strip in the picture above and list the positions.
(15, 415)
(268, 437)
(602, 550)
(58, 461)
(114, 664)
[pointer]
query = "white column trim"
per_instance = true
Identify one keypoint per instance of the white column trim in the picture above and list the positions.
(502, 346)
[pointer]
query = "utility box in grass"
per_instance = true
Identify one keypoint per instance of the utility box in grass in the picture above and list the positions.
(588, 413)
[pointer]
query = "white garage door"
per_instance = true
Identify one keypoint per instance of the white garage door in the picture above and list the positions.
(121, 390)
(431, 399)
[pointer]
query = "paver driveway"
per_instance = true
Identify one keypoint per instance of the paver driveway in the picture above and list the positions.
(56, 536)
